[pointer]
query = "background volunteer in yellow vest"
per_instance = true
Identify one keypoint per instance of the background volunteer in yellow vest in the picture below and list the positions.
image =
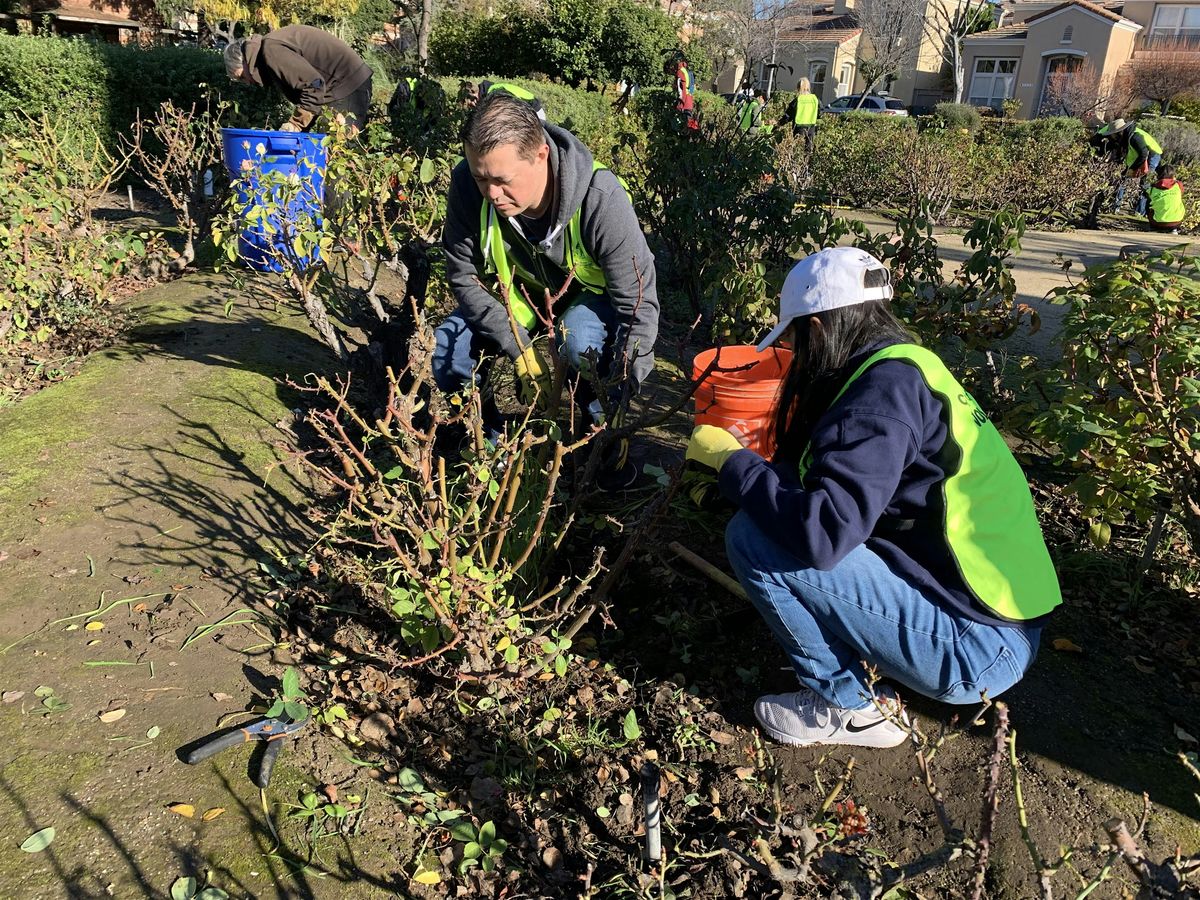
(529, 198)
(802, 113)
(1142, 155)
(893, 526)
(486, 87)
(1167, 210)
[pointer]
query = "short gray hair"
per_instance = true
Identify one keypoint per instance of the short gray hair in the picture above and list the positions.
(235, 56)
(500, 119)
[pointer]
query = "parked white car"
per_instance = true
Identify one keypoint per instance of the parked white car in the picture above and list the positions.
(885, 106)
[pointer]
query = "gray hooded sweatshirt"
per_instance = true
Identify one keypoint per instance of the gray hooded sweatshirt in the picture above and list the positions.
(611, 234)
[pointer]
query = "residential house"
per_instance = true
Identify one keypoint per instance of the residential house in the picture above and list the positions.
(1040, 40)
(828, 47)
(113, 21)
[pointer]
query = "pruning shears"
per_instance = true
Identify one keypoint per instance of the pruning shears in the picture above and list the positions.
(269, 729)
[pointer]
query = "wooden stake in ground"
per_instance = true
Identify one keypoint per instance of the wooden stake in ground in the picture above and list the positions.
(708, 569)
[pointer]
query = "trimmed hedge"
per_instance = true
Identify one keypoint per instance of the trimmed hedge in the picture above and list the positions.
(85, 85)
(585, 113)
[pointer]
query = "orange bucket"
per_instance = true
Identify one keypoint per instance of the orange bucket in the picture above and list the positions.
(745, 398)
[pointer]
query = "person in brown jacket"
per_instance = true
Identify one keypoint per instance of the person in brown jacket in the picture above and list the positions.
(313, 69)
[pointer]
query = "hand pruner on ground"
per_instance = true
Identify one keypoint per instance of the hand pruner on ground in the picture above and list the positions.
(269, 729)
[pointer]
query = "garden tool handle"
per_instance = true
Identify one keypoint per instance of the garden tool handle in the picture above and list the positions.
(215, 745)
(262, 777)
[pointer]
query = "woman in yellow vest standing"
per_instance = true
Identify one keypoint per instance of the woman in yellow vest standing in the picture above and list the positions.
(892, 527)
(802, 113)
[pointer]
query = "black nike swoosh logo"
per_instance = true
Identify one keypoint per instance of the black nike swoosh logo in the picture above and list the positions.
(856, 729)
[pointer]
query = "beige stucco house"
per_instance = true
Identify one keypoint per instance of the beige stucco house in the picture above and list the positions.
(827, 47)
(1040, 40)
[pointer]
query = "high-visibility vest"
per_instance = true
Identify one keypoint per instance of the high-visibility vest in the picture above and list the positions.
(750, 115)
(588, 275)
(519, 92)
(1151, 144)
(806, 109)
(988, 519)
(1167, 204)
(412, 92)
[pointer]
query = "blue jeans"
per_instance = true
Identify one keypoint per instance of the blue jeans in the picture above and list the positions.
(584, 328)
(1143, 199)
(828, 622)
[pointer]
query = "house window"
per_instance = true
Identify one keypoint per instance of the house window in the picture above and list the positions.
(816, 75)
(1176, 21)
(845, 79)
(992, 82)
(1067, 32)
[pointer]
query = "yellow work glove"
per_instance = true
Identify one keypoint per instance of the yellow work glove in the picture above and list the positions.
(711, 446)
(536, 382)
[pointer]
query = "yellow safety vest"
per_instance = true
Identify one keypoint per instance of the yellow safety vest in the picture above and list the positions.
(1167, 204)
(988, 518)
(588, 275)
(806, 109)
(1151, 144)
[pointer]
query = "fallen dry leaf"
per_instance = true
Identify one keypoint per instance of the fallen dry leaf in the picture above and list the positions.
(182, 809)
(1184, 736)
(111, 716)
(330, 792)
(1141, 667)
(552, 857)
(1067, 645)
(720, 737)
(94, 626)
(211, 814)
(744, 773)
(12, 696)
(141, 607)
(221, 698)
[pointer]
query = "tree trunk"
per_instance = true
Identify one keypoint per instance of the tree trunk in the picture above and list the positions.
(957, 63)
(423, 35)
(318, 317)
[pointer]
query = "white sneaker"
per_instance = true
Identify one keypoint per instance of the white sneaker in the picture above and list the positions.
(804, 719)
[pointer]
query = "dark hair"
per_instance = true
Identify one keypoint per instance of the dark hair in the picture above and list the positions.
(498, 119)
(1166, 172)
(820, 367)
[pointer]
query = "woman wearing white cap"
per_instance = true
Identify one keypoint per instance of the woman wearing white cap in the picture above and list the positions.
(892, 527)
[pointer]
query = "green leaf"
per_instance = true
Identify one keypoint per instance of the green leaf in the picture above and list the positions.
(1100, 533)
(309, 801)
(632, 730)
(472, 851)
(153, 732)
(295, 711)
(39, 840)
(428, 171)
(463, 831)
(212, 893)
(276, 709)
(394, 473)
(291, 683)
(410, 781)
(183, 888)
(487, 834)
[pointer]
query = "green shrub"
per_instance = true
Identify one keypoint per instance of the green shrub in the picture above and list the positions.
(958, 115)
(57, 265)
(1125, 406)
(587, 114)
(1180, 139)
(464, 42)
(89, 87)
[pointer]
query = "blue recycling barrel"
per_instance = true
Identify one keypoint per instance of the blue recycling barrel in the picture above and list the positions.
(250, 154)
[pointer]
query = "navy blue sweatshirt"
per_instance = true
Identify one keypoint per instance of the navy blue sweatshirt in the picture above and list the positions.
(874, 454)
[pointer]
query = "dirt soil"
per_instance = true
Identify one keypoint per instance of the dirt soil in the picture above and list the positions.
(154, 488)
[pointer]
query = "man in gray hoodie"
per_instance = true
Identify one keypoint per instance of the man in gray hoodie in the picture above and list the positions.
(528, 206)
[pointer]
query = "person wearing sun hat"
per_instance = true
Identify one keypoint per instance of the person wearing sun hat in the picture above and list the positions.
(892, 528)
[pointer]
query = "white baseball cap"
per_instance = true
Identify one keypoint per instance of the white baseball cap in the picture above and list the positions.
(828, 279)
